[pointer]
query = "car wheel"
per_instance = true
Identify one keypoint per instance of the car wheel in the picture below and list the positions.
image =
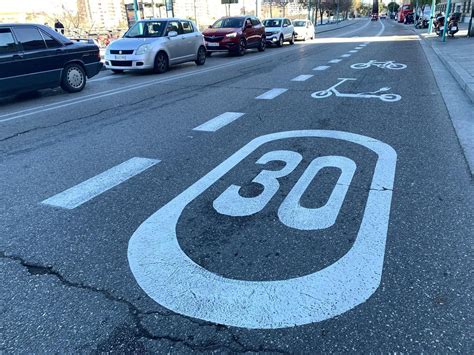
(280, 41)
(262, 45)
(161, 63)
(292, 40)
(201, 56)
(74, 78)
(117, 71)
(242, 47)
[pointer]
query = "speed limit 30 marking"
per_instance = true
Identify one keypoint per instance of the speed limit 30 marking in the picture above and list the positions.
(172, 279)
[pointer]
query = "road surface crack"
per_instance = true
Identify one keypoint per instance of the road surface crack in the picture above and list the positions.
(136, 315)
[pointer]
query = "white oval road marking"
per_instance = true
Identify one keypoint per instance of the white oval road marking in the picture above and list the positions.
(334, 61)
(171, 278)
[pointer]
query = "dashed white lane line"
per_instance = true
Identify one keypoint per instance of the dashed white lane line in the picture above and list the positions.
(345, 55)
(321, 67)
(335, 61)
(359, 47)
(353, 51)
(93, 187)
(218, 122)
(302, 77)
(271, 94)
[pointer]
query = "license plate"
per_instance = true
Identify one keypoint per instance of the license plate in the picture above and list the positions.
(121, 57)
(210, 44)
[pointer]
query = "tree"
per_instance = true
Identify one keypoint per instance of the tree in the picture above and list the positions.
(393, 7)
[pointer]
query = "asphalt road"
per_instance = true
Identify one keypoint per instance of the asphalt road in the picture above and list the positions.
(356, 234)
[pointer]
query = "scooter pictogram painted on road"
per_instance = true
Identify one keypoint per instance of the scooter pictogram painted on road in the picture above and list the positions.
(383, 65)
(171, 278)
(322, 94)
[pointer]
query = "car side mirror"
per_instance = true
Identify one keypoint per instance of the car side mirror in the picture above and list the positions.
(210, 26)
(285, 25)
(248, 25)
(172, 34)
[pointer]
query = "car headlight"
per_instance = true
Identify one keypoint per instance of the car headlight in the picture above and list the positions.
(143, 49)
(231, 35)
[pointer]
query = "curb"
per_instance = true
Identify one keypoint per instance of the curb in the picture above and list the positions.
(457, 72)
(332, 29)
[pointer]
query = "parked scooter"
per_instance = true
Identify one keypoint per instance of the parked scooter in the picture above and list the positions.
(422, 22)
(453, 27)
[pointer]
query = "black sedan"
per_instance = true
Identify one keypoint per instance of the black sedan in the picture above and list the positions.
(34, 57)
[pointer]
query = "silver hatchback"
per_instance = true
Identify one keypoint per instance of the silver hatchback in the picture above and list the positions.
(155, 45)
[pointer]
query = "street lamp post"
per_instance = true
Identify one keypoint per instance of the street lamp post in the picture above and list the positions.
(135, 9)
(415, 14)
(446, 18)
(433, 7)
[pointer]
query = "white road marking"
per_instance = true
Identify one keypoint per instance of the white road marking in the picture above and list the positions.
(171, 278)
(353, 51)
(87, 190)
(335, 61)
(383, 65)
(302, 77)
(321, 67)
(271, 94)
(345, 55)
(378, 94)
(359, 47)
(362, 45)
(219, 122)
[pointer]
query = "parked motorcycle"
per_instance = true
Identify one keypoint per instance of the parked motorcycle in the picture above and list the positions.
(453, 26)
(422, 22)
(409, 18)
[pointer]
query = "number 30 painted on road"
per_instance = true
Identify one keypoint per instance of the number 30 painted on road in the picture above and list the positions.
(172, 279)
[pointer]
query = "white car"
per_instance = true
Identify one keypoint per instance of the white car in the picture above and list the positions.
(155, 45)
(279, 30)
(304, 29)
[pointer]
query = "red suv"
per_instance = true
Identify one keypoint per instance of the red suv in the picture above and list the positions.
(235, 35)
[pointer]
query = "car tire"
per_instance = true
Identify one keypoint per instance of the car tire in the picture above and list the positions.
(242, 47)
(292, 40)
(280, 41)
(161, 63)
(262, 45)
(117, 71)
(74, 78)
(201, 56)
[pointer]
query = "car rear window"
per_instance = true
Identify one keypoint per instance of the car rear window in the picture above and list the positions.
(7, 43)
(272, 23)
(299, 23)
(30, 38)
(50, 41)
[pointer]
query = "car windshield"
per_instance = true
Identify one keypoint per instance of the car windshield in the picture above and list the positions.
(299, 23)
(229, 23)
(146, 29)
(272, 23)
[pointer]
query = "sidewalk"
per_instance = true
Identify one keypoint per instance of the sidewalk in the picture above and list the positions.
(457, 54)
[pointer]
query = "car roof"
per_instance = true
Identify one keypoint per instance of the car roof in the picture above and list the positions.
(164, 19)
(46, 29)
